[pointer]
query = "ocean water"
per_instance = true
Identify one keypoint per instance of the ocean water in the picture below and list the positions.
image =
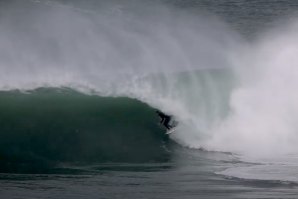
(80, 83)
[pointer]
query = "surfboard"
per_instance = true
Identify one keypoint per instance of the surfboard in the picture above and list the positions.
(173, 123)
(172, 130)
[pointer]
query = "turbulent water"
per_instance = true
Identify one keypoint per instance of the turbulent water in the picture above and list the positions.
(80, 83)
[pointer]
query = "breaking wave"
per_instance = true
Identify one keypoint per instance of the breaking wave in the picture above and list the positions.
(123, 60)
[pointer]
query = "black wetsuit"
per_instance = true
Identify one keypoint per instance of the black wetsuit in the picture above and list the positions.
(165, 119)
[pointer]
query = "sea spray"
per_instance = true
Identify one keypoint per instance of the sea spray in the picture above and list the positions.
(264, 109)
(166, 57)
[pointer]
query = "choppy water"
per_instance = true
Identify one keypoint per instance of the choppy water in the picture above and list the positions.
(190, 174)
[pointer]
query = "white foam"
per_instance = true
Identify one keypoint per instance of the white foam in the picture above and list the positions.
(279, 169)
(264, 108)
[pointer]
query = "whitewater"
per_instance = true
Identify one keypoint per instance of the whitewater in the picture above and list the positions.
(232, 93)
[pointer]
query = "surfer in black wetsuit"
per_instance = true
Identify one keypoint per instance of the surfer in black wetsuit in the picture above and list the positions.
(165, 119)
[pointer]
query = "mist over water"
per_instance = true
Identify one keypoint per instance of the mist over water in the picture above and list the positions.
(49, 43)
(263, 116)
(227, 93)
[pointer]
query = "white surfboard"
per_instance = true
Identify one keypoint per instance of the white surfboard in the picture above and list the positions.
(172, 130)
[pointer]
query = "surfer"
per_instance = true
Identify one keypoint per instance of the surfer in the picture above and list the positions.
(165, 119)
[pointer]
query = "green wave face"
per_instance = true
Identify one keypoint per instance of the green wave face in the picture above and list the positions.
(45, 128)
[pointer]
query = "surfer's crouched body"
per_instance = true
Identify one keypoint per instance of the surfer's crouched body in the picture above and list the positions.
(165, 119)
